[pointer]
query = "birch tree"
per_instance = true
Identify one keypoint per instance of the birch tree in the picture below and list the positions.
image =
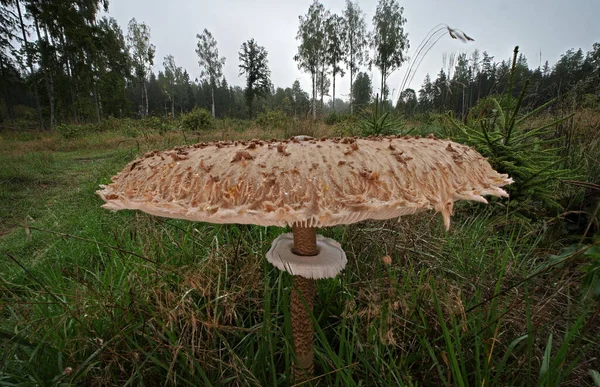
(172, 75)
(209, 61)
(389, 40)
(311, 51)
(356, 42)
(336, 36)
(142, 54)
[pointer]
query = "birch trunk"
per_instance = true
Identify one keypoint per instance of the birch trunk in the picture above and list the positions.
(314, 97)
(333, 100)
(146, 94)
(212, 92)
(351, 78)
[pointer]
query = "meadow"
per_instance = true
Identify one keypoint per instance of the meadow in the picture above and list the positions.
(91, 297)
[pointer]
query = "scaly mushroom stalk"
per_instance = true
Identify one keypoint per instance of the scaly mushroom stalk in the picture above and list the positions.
(301, 306)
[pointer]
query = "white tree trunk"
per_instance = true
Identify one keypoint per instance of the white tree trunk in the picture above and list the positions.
(333, 100)
(143, 110)
(351, 95)
(212, 92)
(314, 97)
(146, 94)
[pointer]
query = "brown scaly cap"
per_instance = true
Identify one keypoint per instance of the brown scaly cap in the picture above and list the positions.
(310, 182)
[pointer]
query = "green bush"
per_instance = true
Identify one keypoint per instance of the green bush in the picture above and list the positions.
(197, 119)
(25, 113)
(155, 123)
(112, 124)
(376, 123)
(337, 118)
(77, 130)
(235, 124)
(273, 119)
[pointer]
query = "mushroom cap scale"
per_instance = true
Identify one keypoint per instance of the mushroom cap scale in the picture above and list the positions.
(307, 182)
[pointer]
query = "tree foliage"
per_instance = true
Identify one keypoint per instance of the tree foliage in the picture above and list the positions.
(362, 90)
(389, 40)
(356, 42)
(255, 66)
(78, 65)
(172, 78)
(311, 51)
(142, 55)
(335, 33)
(209, 61)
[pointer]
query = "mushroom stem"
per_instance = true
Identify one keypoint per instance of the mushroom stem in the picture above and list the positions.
(301, 306)
(305, 241)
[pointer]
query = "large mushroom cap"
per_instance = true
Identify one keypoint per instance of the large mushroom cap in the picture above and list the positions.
(304, 181)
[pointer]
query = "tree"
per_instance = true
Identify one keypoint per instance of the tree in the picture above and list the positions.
(323, 83)
(255, 65)
(426, 95)
(355, 44)
(300, 98)
(459, 84)
(8, 34)
(362, 90)
(113, 67)
(311, 34)
(142, 54)
(389, 40)
(335, 37)
(440, 91)
(173, 76)
(407, 102)
(209, 61)
(30, 65)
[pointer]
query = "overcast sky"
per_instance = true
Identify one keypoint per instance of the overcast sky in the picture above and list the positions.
(549, 27)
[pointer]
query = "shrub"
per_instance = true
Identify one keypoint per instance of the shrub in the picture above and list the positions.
(235, 124)
(334, 118)
(25, 113)
(528, 155)
(77, 130)
(273, 119)
(156, 123)
(376, 123)
(197, 119)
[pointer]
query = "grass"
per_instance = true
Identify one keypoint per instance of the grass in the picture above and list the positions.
(98, 298)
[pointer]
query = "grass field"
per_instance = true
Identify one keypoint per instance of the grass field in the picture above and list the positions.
(91, 297)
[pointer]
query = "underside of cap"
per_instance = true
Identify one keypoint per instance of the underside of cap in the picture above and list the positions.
(328, 263)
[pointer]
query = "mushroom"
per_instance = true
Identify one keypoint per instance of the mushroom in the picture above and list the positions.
(305, 184)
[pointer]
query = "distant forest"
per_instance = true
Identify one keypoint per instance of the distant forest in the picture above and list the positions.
(61, 62)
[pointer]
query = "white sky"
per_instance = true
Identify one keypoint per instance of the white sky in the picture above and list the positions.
(547, 26)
